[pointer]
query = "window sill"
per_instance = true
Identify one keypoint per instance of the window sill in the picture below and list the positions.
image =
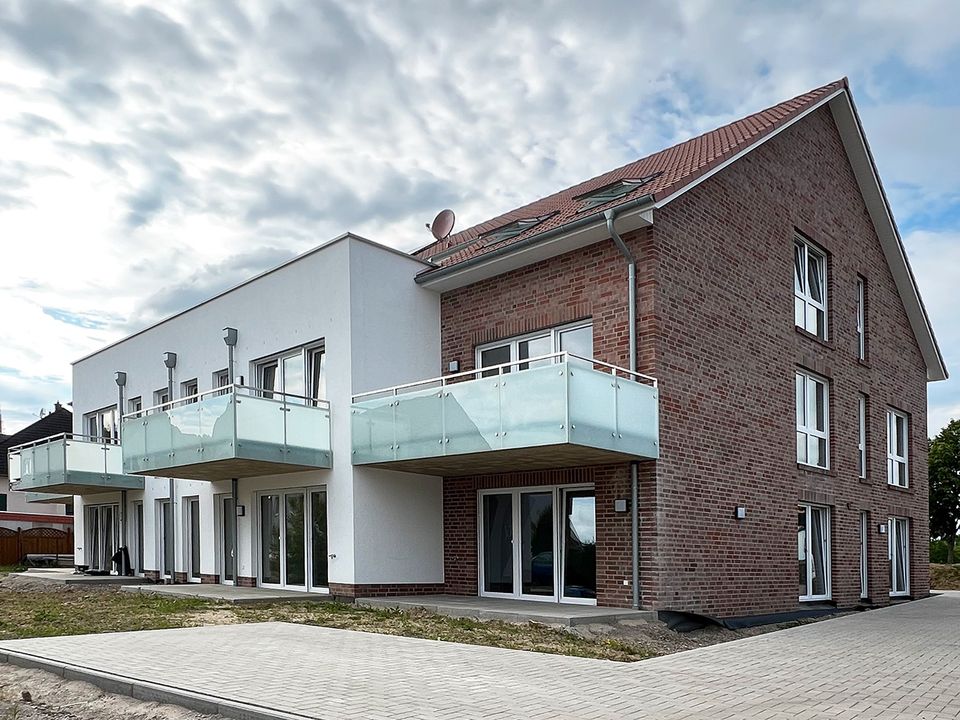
(814, 470)
(807, 334)
(901, 488)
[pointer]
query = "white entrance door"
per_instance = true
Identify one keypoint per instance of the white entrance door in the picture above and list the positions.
(538, 544)
(899, 546)
(864, 562)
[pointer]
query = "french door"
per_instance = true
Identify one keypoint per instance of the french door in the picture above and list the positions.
(227, 532)
(193, 525)
(539, 544)
(293, 539)
(899, 548)
(102, 531)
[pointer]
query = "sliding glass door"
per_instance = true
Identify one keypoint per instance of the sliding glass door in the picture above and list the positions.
(538, 544)
(293, 539)
(102, 535)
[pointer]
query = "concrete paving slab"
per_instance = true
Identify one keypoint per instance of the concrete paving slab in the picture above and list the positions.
(67, 576)
(549, 613)
(229, 593)
(896, 662)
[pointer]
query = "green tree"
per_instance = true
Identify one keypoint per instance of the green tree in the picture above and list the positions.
(945, 486)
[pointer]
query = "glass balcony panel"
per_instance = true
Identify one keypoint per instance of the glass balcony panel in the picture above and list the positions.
(564, 412)
(638, 418)
(372, 425)
(73, 466)
(593, 415)
(419, 423)
(113, 459)
(134, 441)
(471, 412)
(39, 459)
(215, 429)
(232, 432)
(157, 435)
(86, 457)
(14, 465)
(533, 407)
(185, 433)
(308, 433)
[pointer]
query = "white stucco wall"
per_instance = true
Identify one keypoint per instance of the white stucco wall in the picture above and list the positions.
(379, 329)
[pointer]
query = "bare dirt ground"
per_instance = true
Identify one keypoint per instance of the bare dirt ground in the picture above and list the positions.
(53, 698)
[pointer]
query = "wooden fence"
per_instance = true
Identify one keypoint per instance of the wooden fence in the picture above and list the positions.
(15, 545)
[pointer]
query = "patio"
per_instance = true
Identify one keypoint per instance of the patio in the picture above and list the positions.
(229, 593)
(67, 576)
(548, 613)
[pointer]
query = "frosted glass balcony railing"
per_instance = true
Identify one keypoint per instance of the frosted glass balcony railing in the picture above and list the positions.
(556, 410)
(230, 432)
(69, 465)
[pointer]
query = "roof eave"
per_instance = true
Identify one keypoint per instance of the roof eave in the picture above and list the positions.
(579, 231)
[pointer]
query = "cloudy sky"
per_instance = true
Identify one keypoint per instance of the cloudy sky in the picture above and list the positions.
(154, 153)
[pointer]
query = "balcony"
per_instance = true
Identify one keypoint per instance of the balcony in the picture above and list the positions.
(49, 498)
(551, 411)
(69, 465)
(231, 432)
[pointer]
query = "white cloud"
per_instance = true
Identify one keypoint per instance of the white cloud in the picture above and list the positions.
(151, 149)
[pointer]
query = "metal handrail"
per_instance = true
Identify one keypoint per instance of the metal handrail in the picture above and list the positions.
(562, 356)
(259, 393)
(66, 436)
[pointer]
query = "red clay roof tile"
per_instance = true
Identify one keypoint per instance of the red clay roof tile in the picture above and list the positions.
(679, 165)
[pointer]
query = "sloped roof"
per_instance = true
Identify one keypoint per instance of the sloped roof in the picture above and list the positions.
(55, 423)
(667, 174)
(672, 169)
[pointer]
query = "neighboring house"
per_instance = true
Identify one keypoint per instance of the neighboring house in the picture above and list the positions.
(16, 509)
(774, 438)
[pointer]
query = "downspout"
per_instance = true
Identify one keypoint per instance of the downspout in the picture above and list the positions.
(230, 338)
(611, 216)
(170, 542)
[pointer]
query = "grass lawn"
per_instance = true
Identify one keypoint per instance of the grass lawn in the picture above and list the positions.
(73, 611)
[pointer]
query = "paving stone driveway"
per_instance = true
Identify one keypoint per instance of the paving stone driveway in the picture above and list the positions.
(899, 662)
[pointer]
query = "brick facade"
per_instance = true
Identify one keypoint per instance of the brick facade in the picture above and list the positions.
(354, 590)
(715, 326)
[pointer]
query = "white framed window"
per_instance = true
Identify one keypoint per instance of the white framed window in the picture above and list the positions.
(897, 430)
(101, 423)
(810, 288)
(221, 378)
(813, 420)
(898, 539)
(161, 397)
(862, 435)
(301, 372)
(813, 551)
(576, 338)
(135, 404)
(189, 390)
(861, 319)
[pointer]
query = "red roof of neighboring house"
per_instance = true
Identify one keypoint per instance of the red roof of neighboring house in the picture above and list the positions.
(674, 168)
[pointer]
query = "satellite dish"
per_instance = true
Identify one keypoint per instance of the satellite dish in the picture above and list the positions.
(442, 224)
